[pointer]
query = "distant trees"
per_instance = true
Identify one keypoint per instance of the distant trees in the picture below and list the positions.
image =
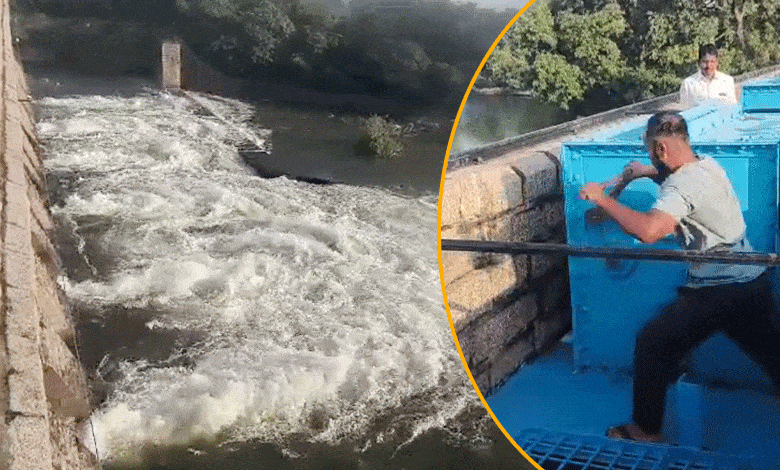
(418, 50)
(426, 51)
(615, 51)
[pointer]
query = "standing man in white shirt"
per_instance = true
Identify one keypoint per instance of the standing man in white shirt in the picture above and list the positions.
(708, 82)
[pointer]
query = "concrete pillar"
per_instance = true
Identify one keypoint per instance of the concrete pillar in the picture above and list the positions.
(171, 65)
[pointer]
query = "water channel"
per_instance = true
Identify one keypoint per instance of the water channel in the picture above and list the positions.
(231, 321)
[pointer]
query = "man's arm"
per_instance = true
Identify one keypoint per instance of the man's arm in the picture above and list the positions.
(649, 227)
(634, 170)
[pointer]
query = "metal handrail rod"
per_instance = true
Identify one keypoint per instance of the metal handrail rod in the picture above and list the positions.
(524, 248)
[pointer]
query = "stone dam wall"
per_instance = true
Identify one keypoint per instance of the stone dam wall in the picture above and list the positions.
(508, 309)
(505, 308)
(44, 393)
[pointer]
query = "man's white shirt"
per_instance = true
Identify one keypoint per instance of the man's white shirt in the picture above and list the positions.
(698, 88)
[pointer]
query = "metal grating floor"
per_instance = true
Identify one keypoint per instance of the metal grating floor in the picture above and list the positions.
(559, 451)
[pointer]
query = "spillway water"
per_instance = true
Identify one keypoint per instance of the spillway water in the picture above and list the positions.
(227, 319)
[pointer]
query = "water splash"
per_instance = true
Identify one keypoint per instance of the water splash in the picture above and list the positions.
(265, 308)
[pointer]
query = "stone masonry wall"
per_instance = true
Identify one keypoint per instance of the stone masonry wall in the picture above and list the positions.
(43, 392)
(505, 308)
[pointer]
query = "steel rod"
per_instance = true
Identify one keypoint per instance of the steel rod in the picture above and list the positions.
(521, 248)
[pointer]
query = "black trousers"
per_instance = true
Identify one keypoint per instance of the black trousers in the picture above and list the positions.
(745, 312)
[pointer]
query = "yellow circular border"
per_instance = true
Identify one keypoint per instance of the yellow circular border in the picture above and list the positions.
(438, 231)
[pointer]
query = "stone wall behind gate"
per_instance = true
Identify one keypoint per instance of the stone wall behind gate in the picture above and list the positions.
(505, 308)
(43, 392)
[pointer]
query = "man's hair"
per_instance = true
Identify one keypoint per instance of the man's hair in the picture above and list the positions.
(707, 49)
(666, 124)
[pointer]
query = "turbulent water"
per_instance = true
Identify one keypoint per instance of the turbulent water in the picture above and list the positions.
(227, 319)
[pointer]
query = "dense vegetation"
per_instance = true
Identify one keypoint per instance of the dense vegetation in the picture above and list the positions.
(401, 48)
(609, 52)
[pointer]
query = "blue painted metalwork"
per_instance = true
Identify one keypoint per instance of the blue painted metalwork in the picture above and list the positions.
(761, 96)
(706, 119)
(631, 292)
(553, 394)
(560, 451)
(723, 402)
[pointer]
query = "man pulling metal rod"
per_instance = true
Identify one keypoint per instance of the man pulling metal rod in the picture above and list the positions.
(697, 202)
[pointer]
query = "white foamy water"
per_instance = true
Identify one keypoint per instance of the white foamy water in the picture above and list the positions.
(314, 309)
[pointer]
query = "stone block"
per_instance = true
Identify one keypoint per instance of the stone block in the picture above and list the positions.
(15, 171)
(44, 249)
(17, 206)
(52, 311)
(68, 454)
(25, 377)
(17, 239)
(35, 162)
(450, 202)
(21, 315)
(536, 223)
(480, 193)
(171, 62)
(451, 232)
(39, 210)
(28, 123)
(523, 269)
(21, 269)
(30, 443)
(544, 264)
(539, 174)
(477, 290)
(458, 317)
(500, 228)
(485, 338)
(65, 400)
(549, 328)
(483, 382)
(555, 297)
(57, 358)
(5, 447)
(455, 264)
(13, 116)
(510, 360)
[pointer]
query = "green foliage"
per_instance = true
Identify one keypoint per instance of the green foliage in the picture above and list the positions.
(674, 37)
(557, 80)
(589, 41)
(537, 27)
(511, 62)
(425, 53)
(618, 51)
(383, 137)
(257, 26)
(561, 57)
(510, 68)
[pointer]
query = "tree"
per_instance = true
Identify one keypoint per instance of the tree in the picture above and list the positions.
(561, 57)
(513, 59)
(626, 50)
(251, 27)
